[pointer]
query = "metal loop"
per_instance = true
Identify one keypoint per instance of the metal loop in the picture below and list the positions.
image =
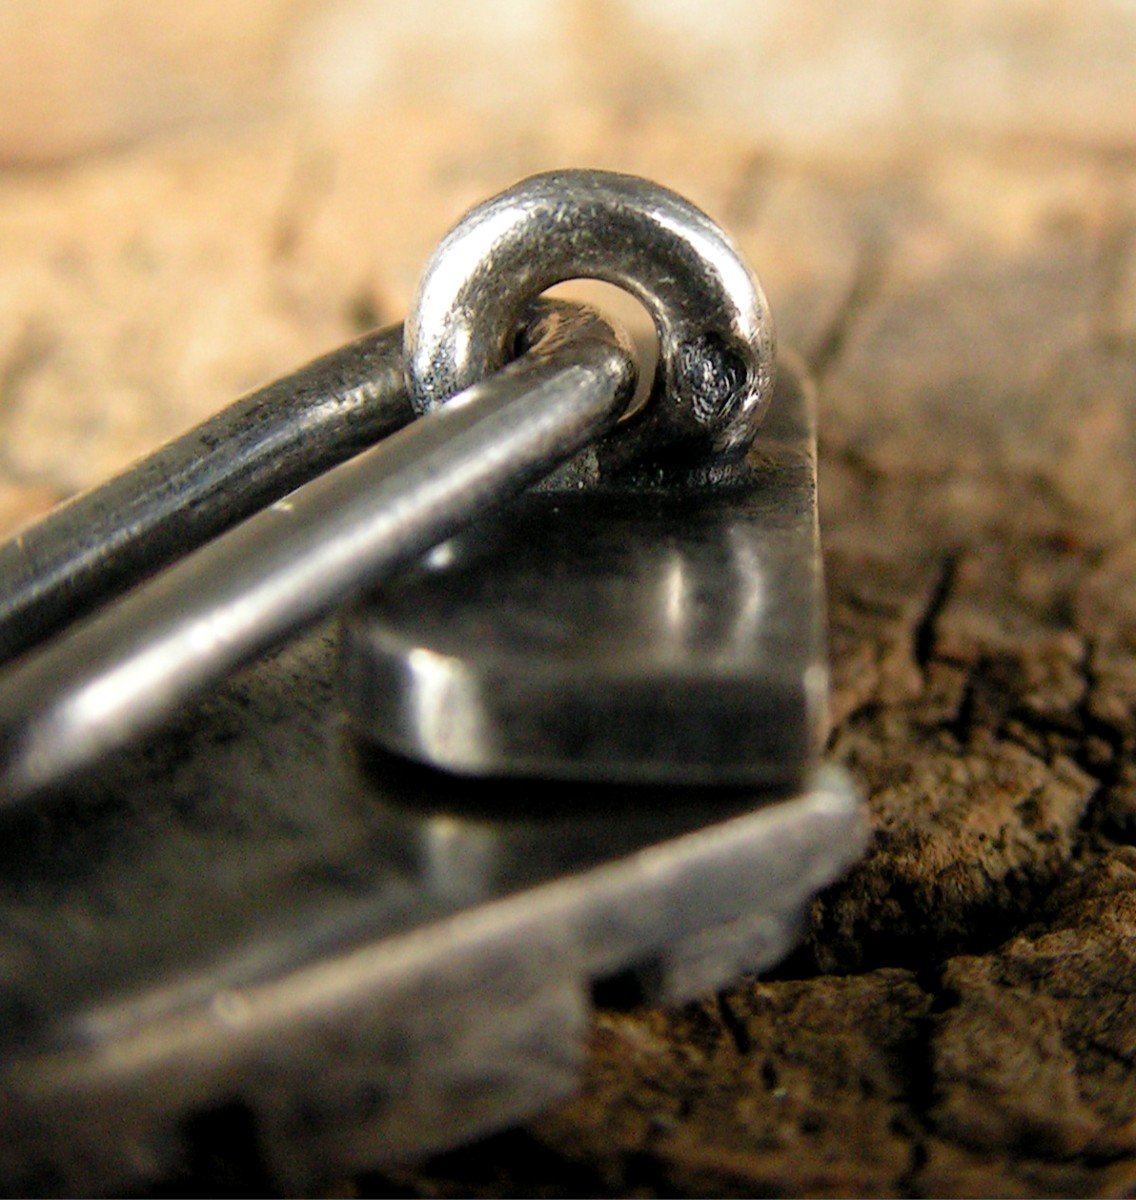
(715, 374)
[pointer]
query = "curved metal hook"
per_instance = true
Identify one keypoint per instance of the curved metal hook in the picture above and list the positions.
(715, 374)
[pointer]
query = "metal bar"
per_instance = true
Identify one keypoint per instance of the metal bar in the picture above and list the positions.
(271, 441)
(123, 670)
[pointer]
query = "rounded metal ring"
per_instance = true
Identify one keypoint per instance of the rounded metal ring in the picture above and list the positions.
(715, 374)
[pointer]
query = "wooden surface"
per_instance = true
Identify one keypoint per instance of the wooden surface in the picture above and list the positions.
(961, 1019)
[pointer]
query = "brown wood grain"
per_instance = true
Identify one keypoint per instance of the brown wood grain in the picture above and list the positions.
(962, 1017)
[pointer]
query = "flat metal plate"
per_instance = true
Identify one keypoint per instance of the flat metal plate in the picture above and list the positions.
(369, 960)
(639, 632)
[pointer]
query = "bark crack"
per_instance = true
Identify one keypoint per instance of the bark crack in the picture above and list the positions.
(866, 284)
(923, 636)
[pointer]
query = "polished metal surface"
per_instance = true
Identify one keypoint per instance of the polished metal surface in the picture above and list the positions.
(106, 540)
(715, 373)
(125, 669)
(626, 631)
(246, 919)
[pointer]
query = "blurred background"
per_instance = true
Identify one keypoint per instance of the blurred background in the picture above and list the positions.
(809, 75)
(938, 198)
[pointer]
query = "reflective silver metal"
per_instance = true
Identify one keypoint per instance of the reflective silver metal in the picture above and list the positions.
(126, 669)
(106, 540)
(634, 621)
(715, 374)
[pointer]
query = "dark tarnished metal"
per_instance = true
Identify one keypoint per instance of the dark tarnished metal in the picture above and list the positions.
(252, 913)
(359, 960)
(126, 669)
(108, 539)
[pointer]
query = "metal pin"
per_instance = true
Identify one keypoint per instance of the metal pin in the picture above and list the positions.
(123, 670)
(271, 441)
